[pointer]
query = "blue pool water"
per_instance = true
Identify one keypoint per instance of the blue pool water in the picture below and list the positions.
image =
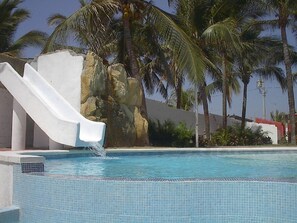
(198, 187)
(272, 165)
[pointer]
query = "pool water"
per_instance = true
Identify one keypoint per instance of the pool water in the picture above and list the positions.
(180, 166)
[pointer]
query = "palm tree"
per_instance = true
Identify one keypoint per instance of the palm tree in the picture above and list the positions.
(187, 99)
(94, 20)
(256, 58)
(223, 36)
(279, 116)
(212, 27)
(284, 11)
(10, 18)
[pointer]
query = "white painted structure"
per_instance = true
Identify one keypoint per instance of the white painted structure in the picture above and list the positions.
(62, 70)
(7, 162)
(6, 184)
(270, 129)
(6, 101)
(19, 124)
(50, 111)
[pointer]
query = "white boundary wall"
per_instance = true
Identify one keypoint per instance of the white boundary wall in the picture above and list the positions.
(270, 129)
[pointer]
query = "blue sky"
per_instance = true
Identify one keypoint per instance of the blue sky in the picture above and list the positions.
(41, 9)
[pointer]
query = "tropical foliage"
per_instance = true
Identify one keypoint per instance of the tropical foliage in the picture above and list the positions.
(257, 59)
(279, 116)
(133, 32)
(286, 12)
(236, 136)
(168, 134)
(187, 98)
(10, 18)
(231, 35)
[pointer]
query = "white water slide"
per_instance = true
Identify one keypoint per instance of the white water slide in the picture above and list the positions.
(49, 110)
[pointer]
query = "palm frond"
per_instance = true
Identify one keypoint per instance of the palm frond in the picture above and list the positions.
(147, 43)
(223, 35)
(90, 15)
(267, 24)
(32, 38)
(56, 19)
(273, 72)
(188, 56)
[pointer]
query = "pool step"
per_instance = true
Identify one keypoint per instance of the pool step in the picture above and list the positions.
(10, 214)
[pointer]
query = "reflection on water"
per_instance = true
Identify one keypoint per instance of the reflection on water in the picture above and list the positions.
(177, 166)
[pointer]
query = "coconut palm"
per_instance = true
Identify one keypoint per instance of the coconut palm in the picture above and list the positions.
(223, 36)
(279, 116)
(152, 59)
(210, 25)
(187, 99)
(256, 58)
(95, 20)
(10, 18)
(284, 11)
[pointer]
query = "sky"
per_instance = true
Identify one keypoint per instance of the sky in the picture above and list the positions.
(275, 99)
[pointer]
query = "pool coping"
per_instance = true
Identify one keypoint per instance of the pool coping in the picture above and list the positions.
(37, 156)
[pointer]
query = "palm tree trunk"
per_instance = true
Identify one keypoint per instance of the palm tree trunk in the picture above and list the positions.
(133, 62)
(129, 48)
(206, 111)
(178, 92)
(244, 103)
(196, 117)
(134, 67)
(224, 106)
(291, 99)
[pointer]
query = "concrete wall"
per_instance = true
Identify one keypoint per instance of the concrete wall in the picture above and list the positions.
(63, 71)
(5, 118)
(6, 176)
(160, 111)
(10, 214)
(6, 103)
(271, 130)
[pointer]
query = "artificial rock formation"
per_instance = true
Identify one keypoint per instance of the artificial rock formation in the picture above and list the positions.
(108, 95)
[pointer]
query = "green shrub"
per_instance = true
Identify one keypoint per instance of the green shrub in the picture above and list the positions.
(236, 136)
(183, 137)
(170, 135)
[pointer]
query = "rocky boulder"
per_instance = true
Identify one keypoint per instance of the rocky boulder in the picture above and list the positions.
(108, 95)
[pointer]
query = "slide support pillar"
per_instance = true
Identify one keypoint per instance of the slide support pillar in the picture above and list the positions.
(18, 135)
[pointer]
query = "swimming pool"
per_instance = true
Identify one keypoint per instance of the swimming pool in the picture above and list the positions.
(60, 196)
(180, 165)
